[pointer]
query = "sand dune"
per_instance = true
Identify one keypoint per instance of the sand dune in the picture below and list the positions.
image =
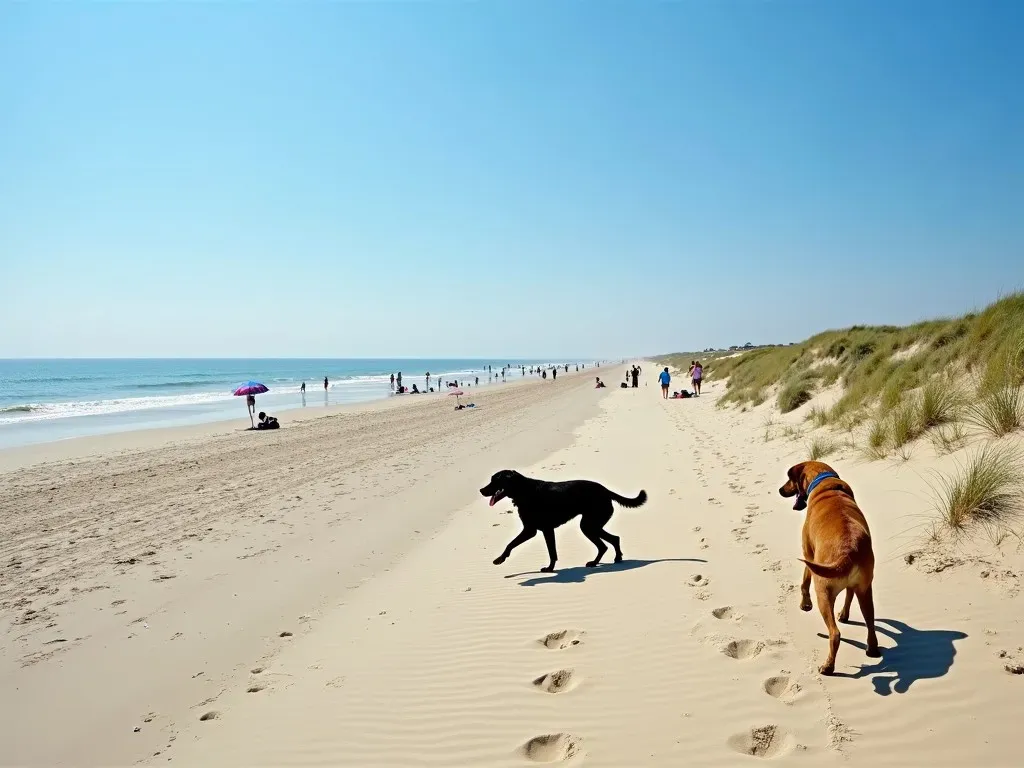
(350, 642)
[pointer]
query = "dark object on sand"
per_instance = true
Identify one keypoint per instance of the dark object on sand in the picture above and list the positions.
(267, 422)
(544, 505)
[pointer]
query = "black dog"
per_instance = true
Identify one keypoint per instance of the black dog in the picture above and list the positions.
(543, 506)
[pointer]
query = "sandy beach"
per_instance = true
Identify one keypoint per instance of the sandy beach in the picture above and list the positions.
(325, 595)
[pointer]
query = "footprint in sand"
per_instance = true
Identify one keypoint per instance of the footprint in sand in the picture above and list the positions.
(557, 682)
(766, 741)
(782, 688)
(725, 612)
(211, 715)
(699, 580)
(255, 688)
(743, 649)
(559, 641)
(552, 748)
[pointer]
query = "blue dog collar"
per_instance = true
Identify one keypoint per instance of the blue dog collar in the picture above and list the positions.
(814, 483)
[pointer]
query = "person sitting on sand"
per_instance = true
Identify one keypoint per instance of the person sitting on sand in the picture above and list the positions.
(267, 422)
(599, 384)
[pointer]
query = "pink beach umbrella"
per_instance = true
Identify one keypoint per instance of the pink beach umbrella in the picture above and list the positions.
(456, 393)
(249, 388)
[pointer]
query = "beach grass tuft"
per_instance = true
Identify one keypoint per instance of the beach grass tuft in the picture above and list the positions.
(820, 446)
(987, 490)
(998, 412)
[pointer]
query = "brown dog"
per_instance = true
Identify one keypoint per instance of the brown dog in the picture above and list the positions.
(837, 550)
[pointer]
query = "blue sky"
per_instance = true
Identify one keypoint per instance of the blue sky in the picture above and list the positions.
(500, 178)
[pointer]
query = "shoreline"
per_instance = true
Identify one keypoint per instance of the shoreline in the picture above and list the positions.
(81, 446)
(102, 397)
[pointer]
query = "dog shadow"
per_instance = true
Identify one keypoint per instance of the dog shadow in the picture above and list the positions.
(919, 654)
(580, 574)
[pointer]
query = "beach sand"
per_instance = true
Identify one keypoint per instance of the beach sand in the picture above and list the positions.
(325, 595)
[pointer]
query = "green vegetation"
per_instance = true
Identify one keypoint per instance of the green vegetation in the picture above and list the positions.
(877, 365)
(939, 404)
(821, 446)
(795, 394)
(906, 381)
(988, 491)
(947, 379)
(949, 438)
(999, 412)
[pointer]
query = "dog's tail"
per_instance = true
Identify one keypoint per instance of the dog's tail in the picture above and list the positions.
(629, 503)
(831, 571)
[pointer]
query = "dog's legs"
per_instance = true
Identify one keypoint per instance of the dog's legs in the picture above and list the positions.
(525, 535)
(826, 604)
(612, 539)
(805, 589)
(595, 538)
(549, 538)
(867, 610)
(844, 614)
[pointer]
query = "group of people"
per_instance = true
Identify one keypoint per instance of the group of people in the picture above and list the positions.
(633, 374)
(302, 388)
(696, 374)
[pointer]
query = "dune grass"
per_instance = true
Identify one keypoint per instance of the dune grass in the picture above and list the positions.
(998, 412)
(819, 416)
(939, 404)
(988, 490)
(877, 363)
(820, 446)
(795, 394)
(949, 438)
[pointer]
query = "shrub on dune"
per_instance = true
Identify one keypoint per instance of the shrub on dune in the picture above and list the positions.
(795, 394)
(988, 490)
(939, 404)
(999, 412)
(819, 447)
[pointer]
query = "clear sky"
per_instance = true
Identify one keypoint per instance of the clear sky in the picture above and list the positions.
(501, 178)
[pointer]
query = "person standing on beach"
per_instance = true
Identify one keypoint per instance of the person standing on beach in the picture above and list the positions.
(636, 377)
(325, 383)
(392, 382)
(302, 389)
(398, 381)
(664, 377)
(697, 374)
(428, 381)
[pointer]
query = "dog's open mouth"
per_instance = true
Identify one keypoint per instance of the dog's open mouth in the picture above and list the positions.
(498, 496)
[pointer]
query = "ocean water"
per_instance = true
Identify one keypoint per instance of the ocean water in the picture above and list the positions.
(43, 400)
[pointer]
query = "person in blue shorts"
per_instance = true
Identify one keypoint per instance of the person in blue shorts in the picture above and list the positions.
(664, 377)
